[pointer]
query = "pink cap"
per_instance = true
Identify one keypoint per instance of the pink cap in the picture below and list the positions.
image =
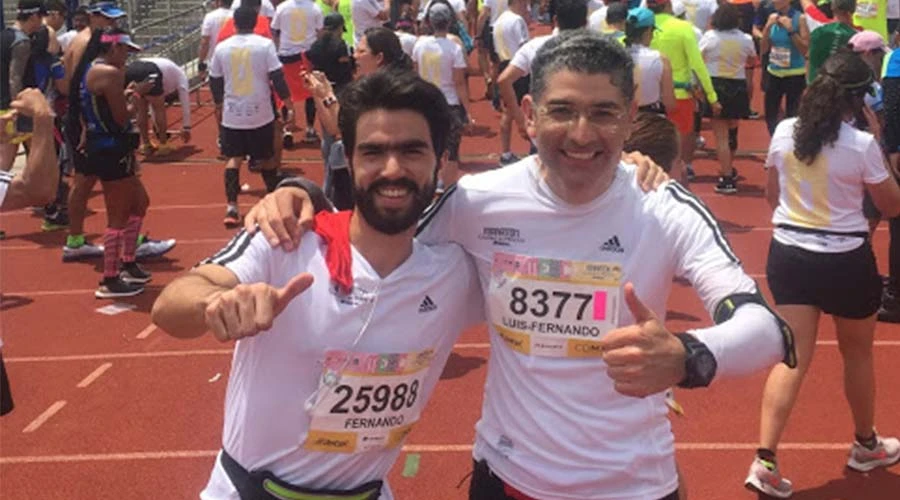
(865, 41)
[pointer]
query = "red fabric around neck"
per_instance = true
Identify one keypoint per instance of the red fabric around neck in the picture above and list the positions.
(334, 228)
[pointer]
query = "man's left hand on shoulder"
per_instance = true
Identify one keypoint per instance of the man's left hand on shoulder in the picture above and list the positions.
(649, 175)
(644, 358)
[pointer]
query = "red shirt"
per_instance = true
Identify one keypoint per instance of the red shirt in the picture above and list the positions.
(261, 29)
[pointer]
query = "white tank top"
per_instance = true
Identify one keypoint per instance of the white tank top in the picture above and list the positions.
(648, 69)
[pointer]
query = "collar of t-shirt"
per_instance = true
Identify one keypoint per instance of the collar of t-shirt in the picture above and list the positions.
(334, 229)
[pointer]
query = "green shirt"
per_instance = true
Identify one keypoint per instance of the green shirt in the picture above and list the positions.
(824, 41)
(676, 40)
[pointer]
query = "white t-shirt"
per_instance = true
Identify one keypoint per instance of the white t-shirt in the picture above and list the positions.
(699, 12)
(212, 23)
(828, 194)
(594, 6)
(382, 348)
(510, 33)
(526, 53)
(497, 7)
(726, 53)
(65, 39)
(407, 41)
(436, 58)
(648, 70)
(265, 10)
(245, 61)
(893, 9)
(597, 20)
(552, 424)
(298, 22)
(174, 79)
(363, 13)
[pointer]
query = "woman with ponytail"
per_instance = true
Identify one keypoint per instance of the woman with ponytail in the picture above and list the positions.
(104, 105)
(820, 259)
(652, 71)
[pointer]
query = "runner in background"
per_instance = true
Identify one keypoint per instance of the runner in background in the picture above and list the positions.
(828, 35)
(209, 33)
(167, 79)
(266, 8)
(821, 261)
(510, 34)
(652, 71)
(786, 38)
(728, 53)
(80, 20)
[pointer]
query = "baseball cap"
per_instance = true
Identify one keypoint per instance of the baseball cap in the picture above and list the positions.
(439, 13)
(678, 8)
(107, 8)
(30, 7)
(334, 21)
(642, 17)
(867, 40)
(121, 39)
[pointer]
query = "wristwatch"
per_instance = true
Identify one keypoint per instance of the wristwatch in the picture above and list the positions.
(329, 101)
(699, 363)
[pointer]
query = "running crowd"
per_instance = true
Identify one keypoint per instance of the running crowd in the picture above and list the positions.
(315, 286)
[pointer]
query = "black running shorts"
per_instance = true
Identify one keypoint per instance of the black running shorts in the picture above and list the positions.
(257, 143)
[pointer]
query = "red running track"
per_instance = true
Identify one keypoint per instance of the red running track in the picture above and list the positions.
(108, 407)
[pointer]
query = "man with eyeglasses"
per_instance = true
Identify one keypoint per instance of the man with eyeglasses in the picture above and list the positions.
(576, 264)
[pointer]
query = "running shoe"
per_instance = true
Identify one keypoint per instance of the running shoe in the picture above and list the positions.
(701, 142)
(55, 222)
(165, 149)
(287, 140)
(232, 218)
(886, 453)
(765, 478)
(147, 149)
(111, 288)
(508, 159)
(727, 185)
(689, 171)
(134, 274)
(86, 251)
(889, 312)
(254, 165)
(311, 135)
(149, 248)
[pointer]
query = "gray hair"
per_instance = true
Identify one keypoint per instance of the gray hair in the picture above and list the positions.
(583, 51)
(848, 6)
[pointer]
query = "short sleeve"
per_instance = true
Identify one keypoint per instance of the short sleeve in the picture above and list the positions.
(215, 64)
(874, 169)
(459, 61)
(522, 28)
(276, 19)
(248, 256)
(706, 43)
(207, 27)
(521, 59)
(272, 62)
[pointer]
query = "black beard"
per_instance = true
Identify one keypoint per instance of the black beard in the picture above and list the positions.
(394, 221)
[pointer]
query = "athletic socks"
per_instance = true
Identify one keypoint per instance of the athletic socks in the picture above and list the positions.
(732, 139)
(232, 185)
(271, 178)
(130, 238)
(870, 442)
(766, 455)
(112, 243)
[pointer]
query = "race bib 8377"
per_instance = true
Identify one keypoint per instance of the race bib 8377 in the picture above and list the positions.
(551, 307)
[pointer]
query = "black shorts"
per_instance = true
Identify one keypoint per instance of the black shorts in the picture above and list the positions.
(6, 400)
(257, 143)
(487, 41)
(520, 86)
(140, 71)
(844, 284)
(111, 164)
(733, 97)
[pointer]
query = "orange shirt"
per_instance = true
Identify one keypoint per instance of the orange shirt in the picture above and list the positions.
(261, 29)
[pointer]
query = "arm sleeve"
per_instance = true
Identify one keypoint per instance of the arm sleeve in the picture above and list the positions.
(698, 66)
(746, 343)
(280, 84)
(247, 256)
(184, 95)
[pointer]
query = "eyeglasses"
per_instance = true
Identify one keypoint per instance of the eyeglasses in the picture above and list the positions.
(601, 118)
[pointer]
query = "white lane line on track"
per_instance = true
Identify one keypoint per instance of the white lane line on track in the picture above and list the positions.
(411, 448)
(146, 332)
(197, 241)
(228, 352)
(94, 375)
(44, 417)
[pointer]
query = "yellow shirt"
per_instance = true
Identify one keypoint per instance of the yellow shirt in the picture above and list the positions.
(676, 40)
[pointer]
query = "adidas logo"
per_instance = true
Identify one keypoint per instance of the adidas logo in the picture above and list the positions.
(612, 245)
(427, 305)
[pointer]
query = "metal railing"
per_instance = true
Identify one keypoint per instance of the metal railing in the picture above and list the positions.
(175, 36)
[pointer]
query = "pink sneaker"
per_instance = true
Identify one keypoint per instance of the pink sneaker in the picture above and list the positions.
(885, 454)
(765, 477)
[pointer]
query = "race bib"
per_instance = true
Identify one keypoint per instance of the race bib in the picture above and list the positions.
(867, 10)
(553, 308)
(367, 401)
(780, 56)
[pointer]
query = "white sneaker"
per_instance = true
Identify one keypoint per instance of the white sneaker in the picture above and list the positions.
(885, 454)
(86, 251)
(765, 477)
(150, 248)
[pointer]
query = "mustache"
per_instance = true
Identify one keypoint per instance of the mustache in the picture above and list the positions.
(398, 183)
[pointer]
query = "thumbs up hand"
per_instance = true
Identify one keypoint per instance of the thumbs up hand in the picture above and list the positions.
(246, 310)
(643, 358)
